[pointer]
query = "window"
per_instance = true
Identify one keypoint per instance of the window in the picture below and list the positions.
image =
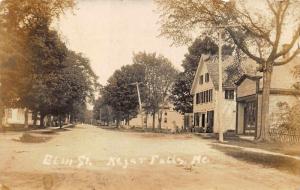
(206, 77)
(166, 113)
(204, 97)
(207, 96)
(165, 120)
(229, 94)
(201, 79)
(210, 95)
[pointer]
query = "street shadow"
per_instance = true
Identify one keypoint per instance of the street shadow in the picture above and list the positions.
(61, 130)
(139, 130)
(281, 163)
(29, 138)
(44, 132)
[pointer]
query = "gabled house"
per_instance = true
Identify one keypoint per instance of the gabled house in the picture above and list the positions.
(249, 97)
(205, 94)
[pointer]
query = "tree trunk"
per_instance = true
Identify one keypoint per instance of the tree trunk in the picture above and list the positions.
(159, 119)
(34, 116)
(118, 123)
(51, 121)
(1, 115)
(42, 120)
(60, 123)
(72, 118)
(146, 125)
(153, 121)
(26, 119)
(263, 132)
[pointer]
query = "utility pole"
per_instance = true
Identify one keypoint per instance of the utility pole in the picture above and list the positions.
(100, 116)
(220, 97)
(140, 102)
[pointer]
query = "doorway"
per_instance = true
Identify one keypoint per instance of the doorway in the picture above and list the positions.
(210, 122)
(250, 118)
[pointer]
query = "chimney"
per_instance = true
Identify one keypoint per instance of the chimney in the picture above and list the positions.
(285, 46)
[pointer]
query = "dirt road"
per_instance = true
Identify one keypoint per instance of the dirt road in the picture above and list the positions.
(87, 157)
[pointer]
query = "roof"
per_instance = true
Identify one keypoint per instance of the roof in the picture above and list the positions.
(203, 58)
(213, 70)
(247, 76)
(231, 71)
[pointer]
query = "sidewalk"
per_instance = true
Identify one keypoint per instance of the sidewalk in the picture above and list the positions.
(257, 150)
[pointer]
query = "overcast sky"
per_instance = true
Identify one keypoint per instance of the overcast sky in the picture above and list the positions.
(109, 31)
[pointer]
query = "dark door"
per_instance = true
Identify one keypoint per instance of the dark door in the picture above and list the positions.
(203, 120)
(210, 122)
(250, 118)
(196, 119)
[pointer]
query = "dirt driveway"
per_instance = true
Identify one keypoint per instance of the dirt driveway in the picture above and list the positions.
(87, 157)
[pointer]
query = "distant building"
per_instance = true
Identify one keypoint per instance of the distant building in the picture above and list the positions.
(16, 116)
(171, 119)
(249, 97)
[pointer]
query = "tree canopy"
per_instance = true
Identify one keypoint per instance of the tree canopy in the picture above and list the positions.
(120, 93)
(159, 78)
(38, 71)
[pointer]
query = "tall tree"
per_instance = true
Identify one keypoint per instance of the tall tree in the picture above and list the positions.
(159, 78)
(16, 22)
(258, 32)
(120, 93)
(61, 79)
(102, 111)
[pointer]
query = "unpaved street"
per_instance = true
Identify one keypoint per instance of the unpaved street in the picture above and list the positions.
(87, 157)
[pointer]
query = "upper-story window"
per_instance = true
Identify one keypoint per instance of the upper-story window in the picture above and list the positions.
(204, 97)
(210, 95)
(206, 77)
(201, 79)
(229, 94)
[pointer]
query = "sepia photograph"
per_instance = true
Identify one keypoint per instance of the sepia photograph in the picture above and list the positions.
(149, 94)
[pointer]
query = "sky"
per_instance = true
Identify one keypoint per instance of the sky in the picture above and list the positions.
(109, 31)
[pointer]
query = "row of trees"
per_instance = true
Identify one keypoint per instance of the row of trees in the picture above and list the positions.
(119, 98)
(38, 71)
(257, 32)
